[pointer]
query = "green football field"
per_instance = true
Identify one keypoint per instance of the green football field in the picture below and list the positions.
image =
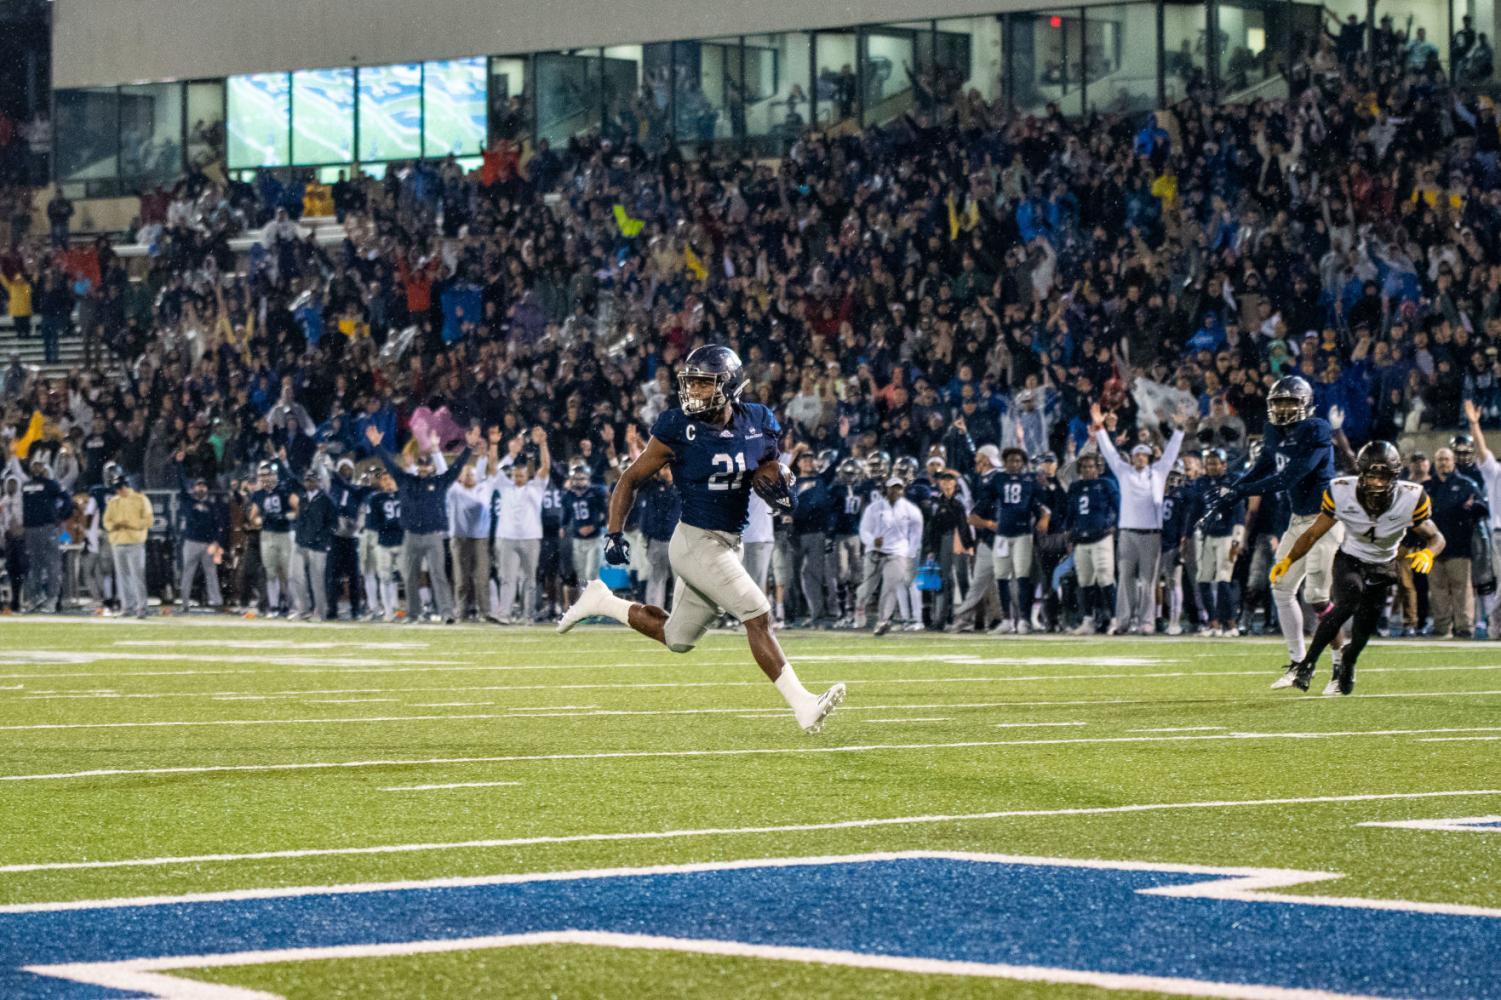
(179, 757)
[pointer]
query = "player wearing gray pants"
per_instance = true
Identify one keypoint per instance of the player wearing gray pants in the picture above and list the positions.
(815, 573)
(659, 572)
(517, 562)
(45, 557)
(890, 574)
(312, 563)
(130, 578)
(420, 547)
(197, 556)
(982, 590)
(1136, 575)
(757, 562)
(276, 557)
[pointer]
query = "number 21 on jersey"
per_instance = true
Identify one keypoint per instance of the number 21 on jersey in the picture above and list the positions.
(731, 474)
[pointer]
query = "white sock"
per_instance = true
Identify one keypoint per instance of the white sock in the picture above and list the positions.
(798, 697)
(1335, 655)
(372, 592)
(389, 588)
(425, 595)
(1290, 618)
(614, 607)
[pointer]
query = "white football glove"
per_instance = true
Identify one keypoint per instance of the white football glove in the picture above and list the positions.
(1336, 417)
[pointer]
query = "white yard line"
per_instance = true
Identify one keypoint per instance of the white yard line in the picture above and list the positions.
(236, 643)
(876, 722)
(740, 752)
(852, 824)
(1460, 739)
(457, 784)
(1462, 824)
(1178, 729)
(348, 701)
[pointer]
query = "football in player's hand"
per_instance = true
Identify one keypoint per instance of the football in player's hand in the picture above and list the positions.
(773, 483)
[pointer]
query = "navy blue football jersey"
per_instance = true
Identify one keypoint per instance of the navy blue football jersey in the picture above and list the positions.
(1298, 461)
(383, 516)
(274, 507)
(1176, 503)
(1093, 506)
(1226, 517)
(590, 507)
(552, 510)
(983, 490)
(1018, 503)
(712, 466)
(849, 503)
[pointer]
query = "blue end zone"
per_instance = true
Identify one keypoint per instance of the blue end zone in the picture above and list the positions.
(983, 911)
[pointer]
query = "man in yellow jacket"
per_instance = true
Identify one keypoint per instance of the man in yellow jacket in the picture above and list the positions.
(127, 518)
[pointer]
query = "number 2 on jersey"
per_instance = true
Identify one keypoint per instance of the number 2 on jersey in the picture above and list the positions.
(730, 477)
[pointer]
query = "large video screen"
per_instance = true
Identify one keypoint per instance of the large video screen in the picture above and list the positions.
(260, 110)
(390, 113)
(322, 116)
(454, 103)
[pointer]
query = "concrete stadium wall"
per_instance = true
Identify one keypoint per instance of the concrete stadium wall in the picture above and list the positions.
(107, 42)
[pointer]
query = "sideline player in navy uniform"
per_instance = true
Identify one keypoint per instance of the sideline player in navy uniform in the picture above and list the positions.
(719, 449)
(1093, 508)
(1377, 511)
(1297, 458)
(1017, 512)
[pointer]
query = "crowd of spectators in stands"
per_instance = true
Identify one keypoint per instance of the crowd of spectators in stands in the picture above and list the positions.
(963, 273)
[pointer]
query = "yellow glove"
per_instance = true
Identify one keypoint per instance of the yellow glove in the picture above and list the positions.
(1280, 570)
(1421, 561)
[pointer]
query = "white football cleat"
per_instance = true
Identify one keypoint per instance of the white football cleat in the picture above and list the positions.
(1331, 690)
(1022, 627)
(1175, 630)
(1287, 679)
(588, 605)
(1003, 627)
(822, 708)
(1231, 633)
(1086, 627)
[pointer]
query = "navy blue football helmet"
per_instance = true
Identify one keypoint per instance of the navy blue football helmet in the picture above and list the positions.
(717, 366)
(1290, 401)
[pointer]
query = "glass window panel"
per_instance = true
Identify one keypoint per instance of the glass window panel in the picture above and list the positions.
(88, 133)
(260, 113)
(390, 102)
(890, 53)
(1408, 16)
(1255, 40)
(698, 91)
(510, 105)
(1047, 61)
(720, 77)
(1185, 42)
(205, 121)
(776, 76)
(568, 88)
(838, 86)
(322, 116)
(1120, 57)
(453, 97)
(630, 72)
(968, 56)
(151, 132)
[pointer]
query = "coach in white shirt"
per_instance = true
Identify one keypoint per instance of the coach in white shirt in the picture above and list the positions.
(891, 531)
(518, 527)
(1139, 525)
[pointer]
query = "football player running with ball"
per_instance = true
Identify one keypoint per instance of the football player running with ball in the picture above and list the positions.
(719, 449)
(1376, 510)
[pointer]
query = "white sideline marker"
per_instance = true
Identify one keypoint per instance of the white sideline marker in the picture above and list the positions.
(579, 838)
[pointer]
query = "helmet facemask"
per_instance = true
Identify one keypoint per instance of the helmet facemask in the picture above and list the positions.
(701, 392)
(1374, 488)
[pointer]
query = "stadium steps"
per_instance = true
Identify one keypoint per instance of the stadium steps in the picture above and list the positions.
(327, 231)
(69, 350)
